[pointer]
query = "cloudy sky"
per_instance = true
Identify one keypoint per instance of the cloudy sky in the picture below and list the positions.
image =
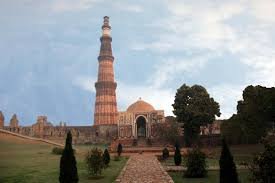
(49, 49)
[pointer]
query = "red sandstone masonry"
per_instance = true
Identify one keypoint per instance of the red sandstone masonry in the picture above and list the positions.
(105, 105)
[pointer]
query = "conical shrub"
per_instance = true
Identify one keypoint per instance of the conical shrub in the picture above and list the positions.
(177, 156)
(228, 172)
(68, 169)
(106, 158)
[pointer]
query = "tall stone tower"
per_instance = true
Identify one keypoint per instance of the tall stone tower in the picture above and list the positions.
(105, 105)
(2, 119)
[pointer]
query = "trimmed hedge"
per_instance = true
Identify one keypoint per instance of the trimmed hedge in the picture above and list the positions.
(57, 150)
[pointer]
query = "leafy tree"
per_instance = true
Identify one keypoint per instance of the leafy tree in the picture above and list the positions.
(106, 158)
(228, 172)
(94, 162)
(165, 153)
(119, 149)
(194, 107)
(255, 116)
(196, 164)
(263, 165)
(68, 168)
(232, 130)
(177, 156)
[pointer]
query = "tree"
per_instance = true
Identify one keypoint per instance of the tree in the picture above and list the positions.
(194, 108)
(232, 130)
(119, 149)
(94, 162)
(68, 168)
(255, 116)
(263, 165)
(196, 164)
(177, 156)
(228, 172)
(106, 158)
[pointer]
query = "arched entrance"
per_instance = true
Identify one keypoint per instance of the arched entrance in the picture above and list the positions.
(141, 127)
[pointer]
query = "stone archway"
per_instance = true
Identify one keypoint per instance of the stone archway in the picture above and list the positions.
(141, 127)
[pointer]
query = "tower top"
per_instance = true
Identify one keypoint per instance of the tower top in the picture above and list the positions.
(106, 28)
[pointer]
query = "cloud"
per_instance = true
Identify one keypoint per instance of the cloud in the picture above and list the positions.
(160, 99)
(127, 7)
(155, 46)
(86, 83)
(172, 67)
(200, 31)
(72, 5)
(227, 96)
(263, 10)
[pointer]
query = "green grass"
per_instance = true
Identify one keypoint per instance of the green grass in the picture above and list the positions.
(241, 153)
(211, 162)
(212, 177)
(34, 163)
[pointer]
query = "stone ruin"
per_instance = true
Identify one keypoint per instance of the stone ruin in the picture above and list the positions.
(2, 120)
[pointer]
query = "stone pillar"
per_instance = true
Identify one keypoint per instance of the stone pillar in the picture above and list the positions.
(14, 122)
(2, 120)
(105, 105)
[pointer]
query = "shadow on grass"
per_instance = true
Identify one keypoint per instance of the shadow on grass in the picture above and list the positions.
(98, 177)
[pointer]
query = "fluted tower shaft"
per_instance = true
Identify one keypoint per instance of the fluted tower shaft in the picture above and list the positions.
(105, 105)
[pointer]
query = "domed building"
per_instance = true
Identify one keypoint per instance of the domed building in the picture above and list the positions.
(139, 121)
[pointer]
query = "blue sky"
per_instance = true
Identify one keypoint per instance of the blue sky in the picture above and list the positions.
(49, 53)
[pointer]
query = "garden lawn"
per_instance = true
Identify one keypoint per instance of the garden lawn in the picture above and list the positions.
(212, 177)
(24, 161)
(241, 153)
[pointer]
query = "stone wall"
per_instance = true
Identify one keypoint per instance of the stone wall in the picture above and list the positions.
(81, 134)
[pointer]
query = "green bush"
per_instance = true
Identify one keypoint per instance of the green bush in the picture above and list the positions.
(263, 165)
(68, 167)
(106, 158)
(228, 172)
(94, 162)
(177, 156)
(196, 164)
(119, 149)
(57, 150)
(165, 153)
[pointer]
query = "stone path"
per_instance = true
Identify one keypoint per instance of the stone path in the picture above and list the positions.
(143, 168)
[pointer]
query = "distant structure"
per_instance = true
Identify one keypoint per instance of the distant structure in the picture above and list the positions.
(2, 120)
(105, 112)
(39, 126)
(14, 123)
(211, 129)
(139, 121)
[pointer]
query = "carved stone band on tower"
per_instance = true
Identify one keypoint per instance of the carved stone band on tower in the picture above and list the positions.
(105, 105)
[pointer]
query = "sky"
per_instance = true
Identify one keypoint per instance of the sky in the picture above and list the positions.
(49, 49)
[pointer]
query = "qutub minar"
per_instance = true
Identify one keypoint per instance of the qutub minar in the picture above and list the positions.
(105, 112)
(139, 122)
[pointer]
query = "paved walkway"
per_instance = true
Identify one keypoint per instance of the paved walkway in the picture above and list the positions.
(143, 168)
